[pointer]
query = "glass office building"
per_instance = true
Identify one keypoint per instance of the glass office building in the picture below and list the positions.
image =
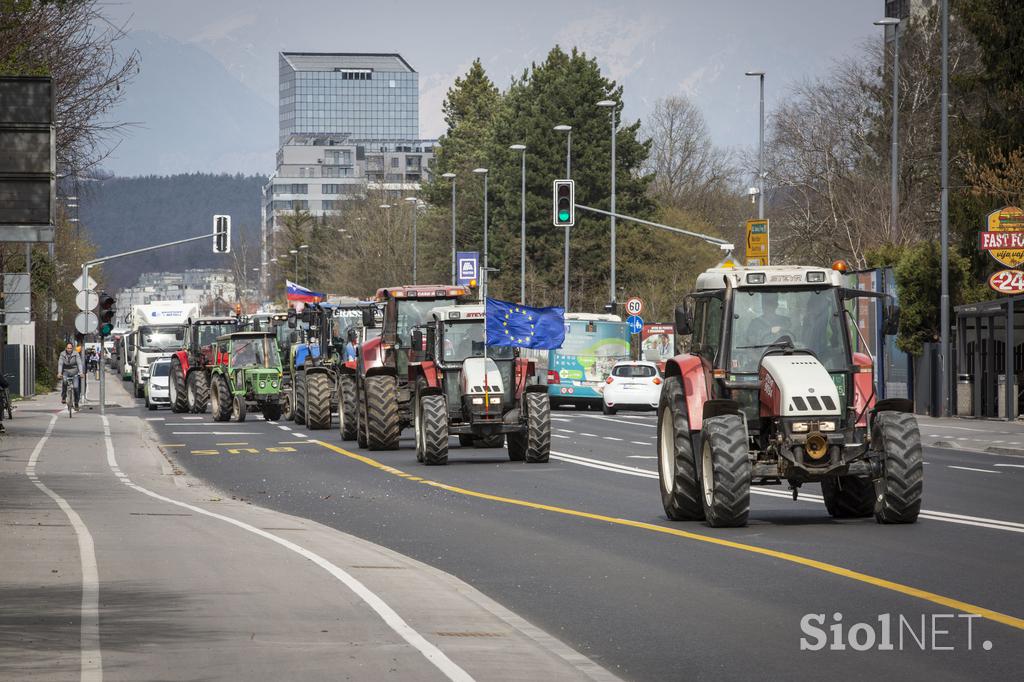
(366, 96)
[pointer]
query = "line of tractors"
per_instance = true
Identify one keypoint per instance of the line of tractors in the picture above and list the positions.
(412, 356)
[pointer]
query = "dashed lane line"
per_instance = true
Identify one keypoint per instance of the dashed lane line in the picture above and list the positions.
(983, 471)
(822, 566)
(558, 435)
(1015, 466)
(214, 433)
(432, 653)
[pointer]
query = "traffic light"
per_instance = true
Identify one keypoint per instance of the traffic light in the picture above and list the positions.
(106, 313)
(222, 234)
(564, 203)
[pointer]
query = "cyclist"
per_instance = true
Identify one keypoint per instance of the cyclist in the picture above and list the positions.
(4, 385)
(69, 365)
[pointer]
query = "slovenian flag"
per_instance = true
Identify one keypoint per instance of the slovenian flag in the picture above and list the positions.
(301, 293)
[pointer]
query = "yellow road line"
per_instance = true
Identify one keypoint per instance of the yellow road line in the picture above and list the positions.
(924, 595)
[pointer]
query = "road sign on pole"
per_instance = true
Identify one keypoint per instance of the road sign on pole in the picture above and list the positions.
(634, 306)
(83, 283)
(636, 324)
(86, 300)
(468, 268)
(86, 322)
(757, 242)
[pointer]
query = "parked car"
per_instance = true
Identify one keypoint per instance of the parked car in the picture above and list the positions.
(632, 385)
(158, 388)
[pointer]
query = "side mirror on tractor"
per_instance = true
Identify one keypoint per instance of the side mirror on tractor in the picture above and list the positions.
(291, 318)
(684, 321)
(368, 320)
(891, 319)
(417, 340)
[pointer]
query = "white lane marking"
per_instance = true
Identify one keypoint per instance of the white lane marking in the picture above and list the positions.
(619, 422)
(91, 659)
(640, 442)
(611, 438)
(155, 419)
(284, 428)
(566, 430)
(560, 419)
(433, 654)
(558, 435)
(590, 435)
(1015, 466)
(946, 517)
(641, 457)
(984, 471)
(192, 417)
(214, 433)
(301, 435)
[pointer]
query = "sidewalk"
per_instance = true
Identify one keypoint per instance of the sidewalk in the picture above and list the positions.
(996, 437)
(149, 574)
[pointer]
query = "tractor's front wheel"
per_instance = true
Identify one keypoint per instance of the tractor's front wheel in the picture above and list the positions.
(197, 389)
(382, 419)
(725, 471)
(220, 399)
(176, 385)
(677, 468)
(896, 440)
(272, 412)
(848, 497)
(466, 440)
(347, 417)
(238, 409)
(318, 401)
(432, 430)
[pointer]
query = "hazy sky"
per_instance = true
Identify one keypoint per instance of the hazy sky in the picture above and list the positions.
(654, 48)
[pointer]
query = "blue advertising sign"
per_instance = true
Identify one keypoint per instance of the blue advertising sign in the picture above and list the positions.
(636, 324)
(467, 267)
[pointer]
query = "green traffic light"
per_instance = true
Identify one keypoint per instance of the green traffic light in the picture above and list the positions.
(563, 216)
(106, 329)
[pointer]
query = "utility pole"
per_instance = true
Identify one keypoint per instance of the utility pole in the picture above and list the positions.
(568, 176)
(451, 178)
(944, 219)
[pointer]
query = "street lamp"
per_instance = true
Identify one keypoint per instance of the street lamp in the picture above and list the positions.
(295, 252)
(451, 178)
(611, 104)
(563, 128)
(483, 287)
(894, 160)
(522, 222)
(760, 149)
(944, 213)
(305, 248)
(415, 204)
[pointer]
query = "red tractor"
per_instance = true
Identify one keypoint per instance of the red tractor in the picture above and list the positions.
(772, 389)
(382, 396)
(190, 366)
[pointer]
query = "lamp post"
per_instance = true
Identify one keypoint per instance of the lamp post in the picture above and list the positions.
(894, 154)
(522, 222)
(563, 128)
(305, 249)
(760, 149)
(295, 252)
(415, 205)
(483, 287)
(944, 218)
(611, 104)
(451, 178)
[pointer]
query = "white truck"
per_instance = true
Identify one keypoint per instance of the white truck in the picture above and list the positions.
(158, 331)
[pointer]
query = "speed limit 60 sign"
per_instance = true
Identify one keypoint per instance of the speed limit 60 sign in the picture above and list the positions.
(634, 306)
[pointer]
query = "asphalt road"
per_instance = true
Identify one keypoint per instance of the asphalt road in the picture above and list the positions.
(581, 548)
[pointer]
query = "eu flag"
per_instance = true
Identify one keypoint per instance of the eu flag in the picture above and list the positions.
(514, 324)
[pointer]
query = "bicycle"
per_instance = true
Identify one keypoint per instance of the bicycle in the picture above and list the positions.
(69, 394)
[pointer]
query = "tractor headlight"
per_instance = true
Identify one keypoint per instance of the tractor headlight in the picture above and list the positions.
(273, 384)
(826, 426)
(478, 401)
(799, 427)
(495, 401)
(263, 384)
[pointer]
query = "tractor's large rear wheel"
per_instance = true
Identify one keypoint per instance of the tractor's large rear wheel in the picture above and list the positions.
(197, 389)
(432, 430)
(848, 497)
(318, 401)
(895, 438)
(220, 399)
(725, 471)
(348, 420)
(677, 468)
(533, 444)
(299, 398)
(179, 394)
(382, 419)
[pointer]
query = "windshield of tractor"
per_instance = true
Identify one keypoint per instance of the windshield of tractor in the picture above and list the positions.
(208, 333)
(809, 318)
(161, 338)
(254, 352)
(466, 340)
(412, 314)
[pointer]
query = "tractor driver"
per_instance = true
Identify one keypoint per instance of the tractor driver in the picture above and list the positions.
(245, 355)
(350, 345)
(770, 326)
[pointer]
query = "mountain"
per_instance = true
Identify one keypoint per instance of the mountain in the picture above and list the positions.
(189, 114)
(122, 214)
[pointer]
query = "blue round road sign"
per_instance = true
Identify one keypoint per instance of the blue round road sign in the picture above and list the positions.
(636, 324)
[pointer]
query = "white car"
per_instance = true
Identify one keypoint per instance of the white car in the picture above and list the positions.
(158, 387)
(632, 386)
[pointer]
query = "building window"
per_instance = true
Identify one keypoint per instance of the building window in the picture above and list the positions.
(394, 162)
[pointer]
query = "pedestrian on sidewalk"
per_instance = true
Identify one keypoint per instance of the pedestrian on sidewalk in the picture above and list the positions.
(69, 364)
(4, 386)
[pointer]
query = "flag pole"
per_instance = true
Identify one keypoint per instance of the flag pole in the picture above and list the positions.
(487, 388)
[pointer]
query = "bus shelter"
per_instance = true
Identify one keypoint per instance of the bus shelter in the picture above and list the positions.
(990, 358)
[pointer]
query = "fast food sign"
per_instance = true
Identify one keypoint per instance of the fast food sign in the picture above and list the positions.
(1003, 237)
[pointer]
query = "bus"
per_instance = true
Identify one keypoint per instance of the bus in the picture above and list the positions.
(577, 371)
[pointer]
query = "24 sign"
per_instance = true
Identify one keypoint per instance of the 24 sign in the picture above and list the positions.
(1007, 281)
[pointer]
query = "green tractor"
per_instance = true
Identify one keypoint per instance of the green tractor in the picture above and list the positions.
(247, 376)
